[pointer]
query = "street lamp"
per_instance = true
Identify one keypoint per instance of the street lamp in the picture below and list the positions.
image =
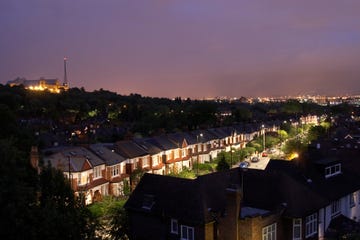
(231, 139)
(263, 128)
(243, 168)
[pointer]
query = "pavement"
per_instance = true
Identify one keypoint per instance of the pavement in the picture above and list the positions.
(261, 164)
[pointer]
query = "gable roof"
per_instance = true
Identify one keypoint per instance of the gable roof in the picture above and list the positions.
(147, 146)
(106, 153)
(163, 142)
(80, 158)
(171, 196)
(180, 137)
(129, 149)
(295, 185)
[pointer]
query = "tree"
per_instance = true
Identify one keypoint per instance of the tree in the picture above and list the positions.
(283, 135)
(61, 215)
(18, 193)
(119, 224)
(294, 146)
(315, 132)
(222, 164)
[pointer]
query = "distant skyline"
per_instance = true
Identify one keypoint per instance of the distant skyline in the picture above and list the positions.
(186, 48)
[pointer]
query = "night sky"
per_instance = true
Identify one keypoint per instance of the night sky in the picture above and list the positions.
(187, 48)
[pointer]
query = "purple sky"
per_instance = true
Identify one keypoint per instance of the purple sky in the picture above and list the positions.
(187, 48)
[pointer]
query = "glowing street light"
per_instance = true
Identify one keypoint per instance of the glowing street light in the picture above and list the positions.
(263, 128)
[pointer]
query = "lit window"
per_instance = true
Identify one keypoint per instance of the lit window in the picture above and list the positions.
(145, 162)
(174, 226)
(155, 160)
(97, 172)
(183, 153)
(297, 229)
(176, 153)
(335, 208)
(187, 233)
(79, 179)
(311, 225)
(333, 170)
(269, 232)
(115, 170)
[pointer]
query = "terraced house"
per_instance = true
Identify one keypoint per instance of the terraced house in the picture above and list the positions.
(102, 169)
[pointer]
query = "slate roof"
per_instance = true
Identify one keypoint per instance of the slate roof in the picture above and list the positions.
(104, 151)
(206, 136)
(282, 185)
(171, 196)
(129, 149)
(163, 142)
(179, 138)
(59, 157)
(147, 146)
(294, 185)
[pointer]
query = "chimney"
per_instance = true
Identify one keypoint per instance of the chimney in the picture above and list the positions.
(228, 226)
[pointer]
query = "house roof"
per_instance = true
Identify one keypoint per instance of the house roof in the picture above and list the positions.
(106, 153)
(219, 133)
(293, 185)
(180, 137)
(129, 149)
(170, 197)
(148, 146)
(163, 142)
(203, 136)
(80, 158)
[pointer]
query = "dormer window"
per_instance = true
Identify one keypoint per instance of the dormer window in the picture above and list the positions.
(332, 170)
(148, 202)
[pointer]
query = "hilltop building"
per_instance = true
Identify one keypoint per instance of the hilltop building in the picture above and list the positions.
(42, 84)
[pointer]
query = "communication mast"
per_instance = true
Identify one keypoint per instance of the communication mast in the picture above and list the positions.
(66, 84)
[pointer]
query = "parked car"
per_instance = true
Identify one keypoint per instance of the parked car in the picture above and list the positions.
(264, 154)
(244, 164)
(255, 159)
(272, 150)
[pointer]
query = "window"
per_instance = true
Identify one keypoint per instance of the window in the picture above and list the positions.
(335, 208)
(352, 199)
(183, 153)
(176, 153)
(97, 172)
(148, 201)
(333, 170)
(156, 160)
(145, 162)
(297, 229)
(187, 233)
(311, 225)
(115, 170)
(174, 226)
(269, 232)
